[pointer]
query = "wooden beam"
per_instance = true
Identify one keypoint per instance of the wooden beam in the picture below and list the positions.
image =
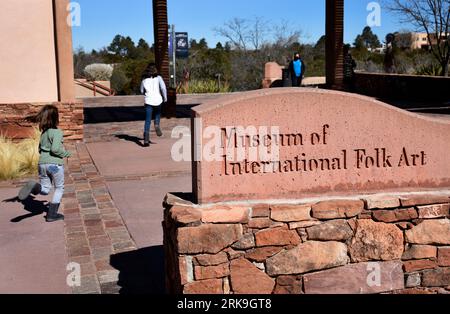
(335, 44)
(161, 31)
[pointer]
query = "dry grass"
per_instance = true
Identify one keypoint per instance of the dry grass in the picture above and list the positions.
(19, 159)
(204, 87)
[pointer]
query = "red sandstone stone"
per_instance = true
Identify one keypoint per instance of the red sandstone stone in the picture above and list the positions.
(185, 215)
(290, 213)
(232, 254)
(405, 225)
(183, 269)
(289, 285)
(211, 272)
(259, 223)
(273, 71)
(381, 201)
(365, 214)
(444, 256)
(439, 277)
(335, 230)
(246, 278)
(262, 210)
(420, 252)
(337, 209)
(261, 254)
(415, 265)
(210, 286)
(207, 238)
(430, 232)
(427, 199)
(277, 237)
(307, 257)
(395, 215)
(171, 199)
(352, 223)
(212, 260)
(434, 211)
(376, 241)
(225, 214)
(304, 224)
(245, 243)
(356, 279)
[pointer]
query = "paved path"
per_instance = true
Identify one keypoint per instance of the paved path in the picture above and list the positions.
(143, 218)
(111, 162)
(33, 255)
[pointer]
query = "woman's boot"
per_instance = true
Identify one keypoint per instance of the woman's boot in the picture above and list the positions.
(31, 187)
(158, 130)
(146, 139)
(52, 214)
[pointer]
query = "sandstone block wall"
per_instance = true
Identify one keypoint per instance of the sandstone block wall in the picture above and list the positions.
(396, 243)
(13, 125)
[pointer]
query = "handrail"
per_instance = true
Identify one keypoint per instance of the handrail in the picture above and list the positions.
(97, 87)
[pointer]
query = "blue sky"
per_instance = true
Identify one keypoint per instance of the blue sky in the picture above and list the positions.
(101, 20)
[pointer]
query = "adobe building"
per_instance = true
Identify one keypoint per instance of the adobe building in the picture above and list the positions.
(36, 65)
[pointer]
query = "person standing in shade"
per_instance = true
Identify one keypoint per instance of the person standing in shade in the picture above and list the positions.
(155, 91)
(349, 69)
(297, 70)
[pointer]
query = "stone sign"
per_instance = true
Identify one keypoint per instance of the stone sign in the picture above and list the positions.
(294, 143)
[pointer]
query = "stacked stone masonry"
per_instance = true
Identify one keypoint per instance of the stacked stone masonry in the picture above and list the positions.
(369, 244)
(13, 124)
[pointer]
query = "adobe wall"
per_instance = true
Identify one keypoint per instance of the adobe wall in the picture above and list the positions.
(28, 67)
(13, 125)
(396, 243)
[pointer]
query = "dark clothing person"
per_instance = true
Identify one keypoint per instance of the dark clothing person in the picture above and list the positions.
(297, 69)
(349, 71)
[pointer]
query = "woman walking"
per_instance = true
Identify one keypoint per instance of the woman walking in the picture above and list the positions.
(51, 162)
(154, 89)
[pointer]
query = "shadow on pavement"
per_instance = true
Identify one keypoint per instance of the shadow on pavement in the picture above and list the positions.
(126, 114)
(130, 138)
(141, 271)
(34, 207)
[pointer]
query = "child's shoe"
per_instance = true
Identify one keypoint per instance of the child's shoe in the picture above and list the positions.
(31, 187)
(52, 214)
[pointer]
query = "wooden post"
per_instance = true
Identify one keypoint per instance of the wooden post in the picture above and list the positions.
(161, 33)
(63, 49)
(335, 44)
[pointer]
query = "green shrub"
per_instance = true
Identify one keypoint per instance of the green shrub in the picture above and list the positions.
(204, 87)
(119, 80)
(432, 69)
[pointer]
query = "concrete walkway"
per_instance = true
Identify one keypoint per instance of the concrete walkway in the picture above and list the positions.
(33, 255)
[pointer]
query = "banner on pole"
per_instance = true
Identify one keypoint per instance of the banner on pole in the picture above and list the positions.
(181, 45)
